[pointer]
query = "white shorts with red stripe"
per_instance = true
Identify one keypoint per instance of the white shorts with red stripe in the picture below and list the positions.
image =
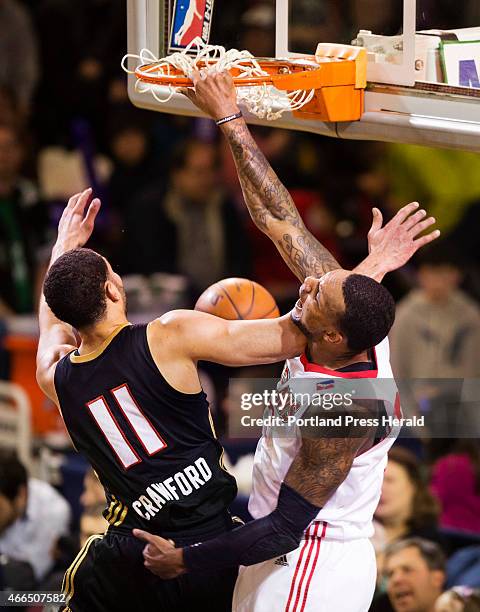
(321, 575)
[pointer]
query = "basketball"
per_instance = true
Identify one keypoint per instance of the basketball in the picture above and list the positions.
(238, 298)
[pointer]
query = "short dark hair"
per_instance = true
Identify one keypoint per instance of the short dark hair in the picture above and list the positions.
(74, 287)
(13, 474)
(430, 552)
(369, 312)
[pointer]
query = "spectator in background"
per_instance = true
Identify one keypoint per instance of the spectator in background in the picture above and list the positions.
(33, 516)
(275, 276)
(92, 522)
(9, 111)
(437, 328)
(191, 228)
(134, 166)
(415, 572)
(456, 484)
(459, 599)
(22, 227)
(93, 492)
(406, 508)
(258, 25)
(18, 53)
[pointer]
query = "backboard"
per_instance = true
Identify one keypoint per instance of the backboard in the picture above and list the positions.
(423, 75)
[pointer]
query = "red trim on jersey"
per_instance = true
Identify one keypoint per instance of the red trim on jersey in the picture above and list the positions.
(125, 386)
(398, 407)
(318, 542)
(313, 367)
(125, 467)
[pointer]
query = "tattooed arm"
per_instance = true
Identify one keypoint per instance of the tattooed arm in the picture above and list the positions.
(272, 208)
(269, 203)
(320, 467)
(274, 212)
(326, 455)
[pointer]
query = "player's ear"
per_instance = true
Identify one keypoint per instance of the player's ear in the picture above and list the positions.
(333, 336)
(112, 292)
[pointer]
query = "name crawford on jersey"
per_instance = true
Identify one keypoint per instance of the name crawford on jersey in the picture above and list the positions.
(176, 487)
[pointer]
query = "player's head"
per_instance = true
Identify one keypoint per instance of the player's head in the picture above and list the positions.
(347, 313)
(415, 572)
(13, 489)
(81, 289)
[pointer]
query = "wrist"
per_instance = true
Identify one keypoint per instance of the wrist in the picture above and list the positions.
(61, 247)
(234, 112)
(373, 266)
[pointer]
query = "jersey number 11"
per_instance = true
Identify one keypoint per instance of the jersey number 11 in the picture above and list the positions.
(149, 438)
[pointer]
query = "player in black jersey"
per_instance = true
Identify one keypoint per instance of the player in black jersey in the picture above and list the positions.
(132, 403)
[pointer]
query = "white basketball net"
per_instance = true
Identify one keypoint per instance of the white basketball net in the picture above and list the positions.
(264, 101)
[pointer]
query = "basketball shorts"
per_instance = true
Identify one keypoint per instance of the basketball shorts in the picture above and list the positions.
(108, 575)
(321, 575)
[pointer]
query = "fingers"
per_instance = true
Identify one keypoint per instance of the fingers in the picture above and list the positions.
(377, 220)
(145, 536)
(190, 94)
(82, 201)
(150, 556)
(424, 240)
(412, 220)
(405, 212)
(92, 213)
(196, 77)
(73, 200)
(420, 227)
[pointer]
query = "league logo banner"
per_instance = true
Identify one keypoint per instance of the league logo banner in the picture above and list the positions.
(190, 19)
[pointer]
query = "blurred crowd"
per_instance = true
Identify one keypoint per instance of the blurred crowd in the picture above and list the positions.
(173, 222)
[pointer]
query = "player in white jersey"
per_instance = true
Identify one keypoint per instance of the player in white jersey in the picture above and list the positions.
(336, 544)
(314, 497)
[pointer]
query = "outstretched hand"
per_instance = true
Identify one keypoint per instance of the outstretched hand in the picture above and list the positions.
(160, 555)
(75, 226)
(400, 238)
(214, 94)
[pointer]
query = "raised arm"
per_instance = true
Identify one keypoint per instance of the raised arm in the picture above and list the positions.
(57, 338)
(269, 202)
(273, 210)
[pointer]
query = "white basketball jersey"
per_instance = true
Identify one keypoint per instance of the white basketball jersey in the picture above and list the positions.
(349, 512)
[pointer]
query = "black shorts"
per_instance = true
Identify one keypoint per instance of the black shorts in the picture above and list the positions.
(108, 575)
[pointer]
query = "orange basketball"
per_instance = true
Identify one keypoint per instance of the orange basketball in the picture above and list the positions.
(238, 298)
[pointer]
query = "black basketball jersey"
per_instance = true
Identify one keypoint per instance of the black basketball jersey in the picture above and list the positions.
(153, 448)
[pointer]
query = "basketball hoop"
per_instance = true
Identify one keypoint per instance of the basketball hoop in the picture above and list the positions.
(267, 87)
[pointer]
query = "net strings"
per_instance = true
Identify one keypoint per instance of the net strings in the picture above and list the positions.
(264, 101)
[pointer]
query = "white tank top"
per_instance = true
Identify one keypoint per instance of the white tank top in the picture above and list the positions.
(349, 512)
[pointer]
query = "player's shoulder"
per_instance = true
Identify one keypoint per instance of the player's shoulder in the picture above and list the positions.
(170, 330)
(173, 321)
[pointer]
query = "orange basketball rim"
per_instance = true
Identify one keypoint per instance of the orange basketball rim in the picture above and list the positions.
(337, 73)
